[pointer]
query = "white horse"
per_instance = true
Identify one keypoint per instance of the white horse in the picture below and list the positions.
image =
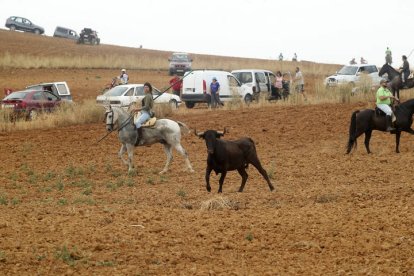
(165, 131)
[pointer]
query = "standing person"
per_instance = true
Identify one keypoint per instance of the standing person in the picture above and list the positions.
(405, 69)
(146, 108)
(278, 84)
(363, 61)
(383, 102)
(124, 77)
(388, 56)
(280, 56)
(295, 57)
(214, 91)
(300, 83)
(176, 84)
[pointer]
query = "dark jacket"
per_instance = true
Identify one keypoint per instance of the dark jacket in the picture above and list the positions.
(147, 103)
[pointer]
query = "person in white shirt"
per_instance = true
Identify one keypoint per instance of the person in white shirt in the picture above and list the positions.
(124, 77)
(300, 83)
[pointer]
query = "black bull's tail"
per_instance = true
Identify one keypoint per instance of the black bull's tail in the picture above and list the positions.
(352, 142)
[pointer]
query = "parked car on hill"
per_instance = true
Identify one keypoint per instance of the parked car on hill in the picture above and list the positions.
(65, 33)
(126, 94)
(179, 63)
(351, 74)
(16, 23)
(29, 103)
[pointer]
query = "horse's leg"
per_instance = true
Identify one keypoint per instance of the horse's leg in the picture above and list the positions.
(168, 152)
(130, 149)
(121, 153)
(397, 141)
(368, 134)
(183, 152)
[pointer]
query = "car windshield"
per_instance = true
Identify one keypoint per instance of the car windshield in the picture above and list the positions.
(348, 70)
(16, 96)
(116, 91)
(180, 57)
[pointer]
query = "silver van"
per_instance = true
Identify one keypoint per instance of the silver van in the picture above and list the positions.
(65, 33)
(258, 80)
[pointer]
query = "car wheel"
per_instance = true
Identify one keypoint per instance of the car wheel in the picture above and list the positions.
(248, 99)
(37, 31)
(33, 114)
(189, 104)
(173, 103)
(12, 28)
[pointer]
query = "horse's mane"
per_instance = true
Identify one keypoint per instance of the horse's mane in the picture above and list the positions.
(386, 67)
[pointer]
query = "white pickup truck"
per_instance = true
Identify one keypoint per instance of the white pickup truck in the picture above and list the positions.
(59, 88)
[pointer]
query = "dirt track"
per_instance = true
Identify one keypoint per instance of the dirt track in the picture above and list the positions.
(68, 207)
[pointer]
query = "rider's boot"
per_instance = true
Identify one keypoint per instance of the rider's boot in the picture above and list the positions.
(388, 120)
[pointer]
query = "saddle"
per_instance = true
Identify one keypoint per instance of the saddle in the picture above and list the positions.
(149, 123)
(380, 113)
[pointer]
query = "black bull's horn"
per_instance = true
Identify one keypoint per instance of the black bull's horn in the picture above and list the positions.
(199, 134)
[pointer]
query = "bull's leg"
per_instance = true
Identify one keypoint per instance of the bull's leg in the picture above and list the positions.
(368, 134)
(168, 152)
(183, 152)
(221, 181)
(244, 175)
(255, 162)
(397, 141)
(208, 172)
(121, 154)
(130, 149)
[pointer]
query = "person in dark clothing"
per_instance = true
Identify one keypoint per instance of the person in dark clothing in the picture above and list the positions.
(405, 70)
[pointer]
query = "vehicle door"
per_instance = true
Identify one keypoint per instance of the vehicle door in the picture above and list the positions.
(38, 101)
(261, 82)
(27, 25)
(234, 86)
(61, 90)
(138, 94)
(51, 101)
(19, 23)
(270, 79)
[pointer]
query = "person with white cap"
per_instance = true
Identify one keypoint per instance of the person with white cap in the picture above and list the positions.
(124, 77)
(383, 102)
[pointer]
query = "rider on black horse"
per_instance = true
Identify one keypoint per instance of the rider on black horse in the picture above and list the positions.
(384, 97)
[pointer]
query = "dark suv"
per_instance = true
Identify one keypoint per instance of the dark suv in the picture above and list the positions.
(90, 36)
(22, 24)
(179, 63)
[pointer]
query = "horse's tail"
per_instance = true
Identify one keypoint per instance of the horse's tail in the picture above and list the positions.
(352, 142)
(183, 127)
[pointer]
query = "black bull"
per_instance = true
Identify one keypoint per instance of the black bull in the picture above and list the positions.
(224, 156)
(365, 121)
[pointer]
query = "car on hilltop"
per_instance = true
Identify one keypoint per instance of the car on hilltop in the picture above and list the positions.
(17, 23)
(126, 94)
(180, 63)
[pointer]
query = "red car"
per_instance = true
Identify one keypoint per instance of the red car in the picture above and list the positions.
(30, 103)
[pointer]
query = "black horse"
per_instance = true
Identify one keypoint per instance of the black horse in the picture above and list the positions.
(394, 77)
(365, 121)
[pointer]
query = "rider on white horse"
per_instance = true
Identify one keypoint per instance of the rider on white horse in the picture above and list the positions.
(146, 108)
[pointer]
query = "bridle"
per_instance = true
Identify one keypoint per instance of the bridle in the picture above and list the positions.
(112, 119)
(111, 111)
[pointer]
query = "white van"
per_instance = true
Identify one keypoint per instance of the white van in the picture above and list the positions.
(258, 80)
(197, 83)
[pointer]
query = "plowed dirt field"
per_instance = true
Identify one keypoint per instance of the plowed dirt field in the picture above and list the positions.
(67, 205)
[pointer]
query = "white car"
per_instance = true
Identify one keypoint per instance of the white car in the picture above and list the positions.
(351, 74)
(124, 95)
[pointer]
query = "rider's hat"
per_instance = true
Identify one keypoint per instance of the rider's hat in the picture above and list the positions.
(123, 70)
